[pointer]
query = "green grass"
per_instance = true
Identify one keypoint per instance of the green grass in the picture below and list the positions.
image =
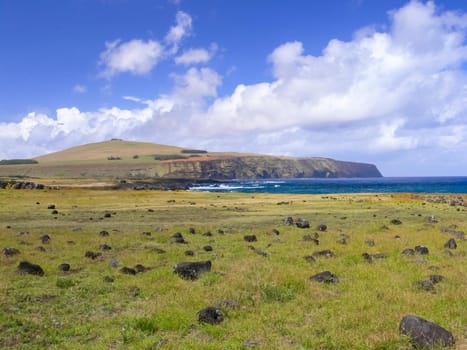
(279, 307)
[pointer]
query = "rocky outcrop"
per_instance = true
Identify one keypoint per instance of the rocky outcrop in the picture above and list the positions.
(263, 167)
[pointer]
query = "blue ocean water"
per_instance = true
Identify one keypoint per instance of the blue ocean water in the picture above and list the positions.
(353, 185)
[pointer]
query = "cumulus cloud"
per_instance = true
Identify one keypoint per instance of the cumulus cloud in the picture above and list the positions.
(392, 97)
(135, 56)
(138, 56)
(196, 56)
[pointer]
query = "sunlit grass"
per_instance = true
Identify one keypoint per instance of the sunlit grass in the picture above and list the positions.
(275, 305)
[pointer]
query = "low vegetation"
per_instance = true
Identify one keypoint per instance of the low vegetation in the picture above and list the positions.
(18, 161)
(103, 269)
(193, 151)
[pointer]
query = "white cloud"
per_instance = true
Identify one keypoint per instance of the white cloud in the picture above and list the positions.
(80, 89)
(177, 32)
(139, 57)
(193, 56)
(381, 97)
(196, 56)
(135, 56)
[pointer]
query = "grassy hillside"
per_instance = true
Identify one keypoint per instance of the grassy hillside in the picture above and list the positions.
(103, 150)
(263, 288)
(112, 161)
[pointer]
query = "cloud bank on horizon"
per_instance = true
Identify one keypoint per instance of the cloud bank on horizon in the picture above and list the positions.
(396, 97)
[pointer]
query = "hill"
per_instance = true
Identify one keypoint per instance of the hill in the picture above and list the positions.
(118, 162)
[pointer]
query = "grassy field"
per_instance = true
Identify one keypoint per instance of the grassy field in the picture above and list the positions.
(268, 301)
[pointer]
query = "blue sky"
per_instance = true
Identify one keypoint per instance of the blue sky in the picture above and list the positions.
(372, 81)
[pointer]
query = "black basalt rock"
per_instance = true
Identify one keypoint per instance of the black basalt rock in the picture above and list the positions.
(425, 334)
(325, 277)
(32, 269)
(210, 315)
(451, 244)
(192, 270)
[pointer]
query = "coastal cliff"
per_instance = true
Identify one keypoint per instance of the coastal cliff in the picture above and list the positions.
(262, 167)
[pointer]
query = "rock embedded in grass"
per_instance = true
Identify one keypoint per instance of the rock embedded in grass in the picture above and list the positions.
(424, 333)
(45, 239)
(207, 248)
(288, 221)
(324, 253)
(250, 238)
(192, 270)
(302, 223)
(322, 227)
(451, 244)
(177, 237)
(309, 258)
(325, 277)
(7, 251)
(426, 285)
(92, 255)
(408, 251)
(65, 267)
(104, 233)
(422, 250)
(396, 222)
(32, 269)
(128, 271)
(211, 315)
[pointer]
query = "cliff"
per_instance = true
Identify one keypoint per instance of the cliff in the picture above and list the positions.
(262, 167)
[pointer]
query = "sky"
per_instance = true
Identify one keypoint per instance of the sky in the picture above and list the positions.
(382, 82)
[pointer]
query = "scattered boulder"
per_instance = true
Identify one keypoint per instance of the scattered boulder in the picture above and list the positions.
(192, 270)
(54, 212)
(452, 231)
(92, 255)
(51, 206)
(128, 270)
(177, 237)
(325, 277)
(210, 315)
(64, 267)
(308, 238)
(108, 279)
(408, 251)
(276, 231)
(7, 251)
(250, 238)
(322, 227)
(104, 233)
(288, 221)
(370, 242)
(396, 222)
(431, 219)
(105, 247)
(422, 250)
(436, 278)
(207, 248)
(141, 268)
(45, 239)
(324, 253)
(107, 215)
(192, 230)
(451, 244)
(189, 253)
(301, 223)
(426, 285)
(309, 258)
(425, 334)
(32, 269)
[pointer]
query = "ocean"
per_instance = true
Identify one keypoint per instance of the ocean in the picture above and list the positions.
(454, 184)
